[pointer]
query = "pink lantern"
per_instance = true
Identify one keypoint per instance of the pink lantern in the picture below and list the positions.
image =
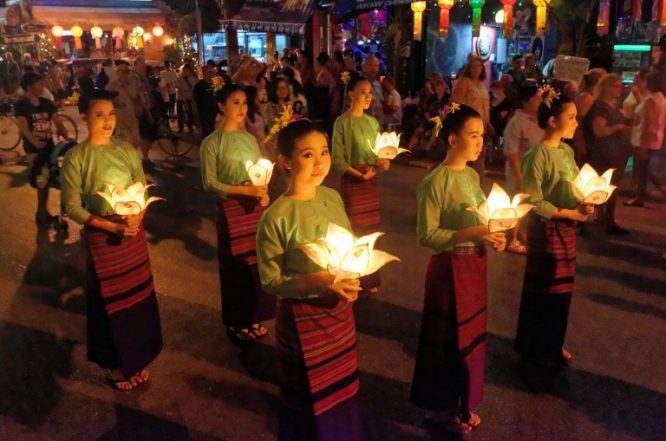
(118, 33)
(603, 17)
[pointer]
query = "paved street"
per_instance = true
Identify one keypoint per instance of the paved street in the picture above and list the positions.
(202, 388)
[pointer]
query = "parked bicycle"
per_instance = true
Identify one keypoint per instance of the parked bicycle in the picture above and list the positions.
(176, 135)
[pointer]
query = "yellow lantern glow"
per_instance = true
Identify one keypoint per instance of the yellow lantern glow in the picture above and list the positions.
(498, 212)
(590, 188)
(540, 16)
(128, 201)
(418, 8)
(97, 33)
(345, 256)
(77, 32)
(158, 31)
(57, 31)
(444, 8)
(260, 172)
(386, 145)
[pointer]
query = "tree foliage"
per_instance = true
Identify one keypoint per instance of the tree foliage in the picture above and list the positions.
(574, 20)
(211, 14)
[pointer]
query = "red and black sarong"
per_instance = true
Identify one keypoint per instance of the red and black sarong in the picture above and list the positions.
(361, 199)
(243, 300)
(123, 318)
(547, 288)
(318, 370)
(450, 361)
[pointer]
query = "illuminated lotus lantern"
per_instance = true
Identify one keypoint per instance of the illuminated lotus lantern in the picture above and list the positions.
(498, 212)
(128, 201)
(590, 188)
(260, 172)
(386, 145)
(345, 256)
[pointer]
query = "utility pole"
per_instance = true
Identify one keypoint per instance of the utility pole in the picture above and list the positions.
(200, 43)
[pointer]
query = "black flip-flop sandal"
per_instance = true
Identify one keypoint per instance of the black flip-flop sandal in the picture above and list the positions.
(240, 336)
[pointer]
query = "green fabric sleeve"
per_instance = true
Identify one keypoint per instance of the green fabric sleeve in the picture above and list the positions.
(428, 219)
(340, 148)
(210, 181)
(534, 168)
(271, 262)
(71, 183)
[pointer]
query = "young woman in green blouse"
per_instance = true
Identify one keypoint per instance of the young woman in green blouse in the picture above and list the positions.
(224, 154)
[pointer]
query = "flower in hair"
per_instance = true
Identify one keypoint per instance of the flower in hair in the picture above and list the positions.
(74, 99)
(452, 108)
(217, 83)
(438, 124)
(549, 94)
(345, 77)
(281, 121)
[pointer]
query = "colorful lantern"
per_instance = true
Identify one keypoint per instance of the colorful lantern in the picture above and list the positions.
(128, 201)
(418, 8)
(476, 5)
(97, 33)
(57, 32)
(158, 31)
(118, 33)
(603, 17)
(345, 256)
(386, 145)
(507, 27)
(540, 16)
(590, 188)
(444, 8)
(662, 16)
(498, 212)
(137, 31)
(77, 32)
(260, 172)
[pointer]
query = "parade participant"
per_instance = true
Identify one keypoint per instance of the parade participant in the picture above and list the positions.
(123, 331)
(551, 236)
(315, 327)
(224, 154)
(34, 116)
(521, 133)
(354, 134)
(450, 362)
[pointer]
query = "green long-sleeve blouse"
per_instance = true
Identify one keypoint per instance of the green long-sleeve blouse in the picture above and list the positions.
(87, 168)
(353, 138)
(286, 225)
(223, 156)
(546, 175)
(442, 201)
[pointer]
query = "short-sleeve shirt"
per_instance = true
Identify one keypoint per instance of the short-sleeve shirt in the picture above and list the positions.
(39, 120)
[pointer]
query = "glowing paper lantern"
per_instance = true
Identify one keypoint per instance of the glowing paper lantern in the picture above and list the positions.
(260, 172)
(507, 26)
(662, 16)
(77, 32)
(345, 256)
(128, 201)
(590, 188)
(158, 31)
(118, 33)
(444, 8)
(137, 31)
(498, 212)
(97, 33)
(603, 17)
(476, 15)
(57, 32)
(386, 145)
(418, 8)
(540, 16)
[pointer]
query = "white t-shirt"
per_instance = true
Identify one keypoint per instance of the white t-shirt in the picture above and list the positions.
(521, 133)
(392, 100)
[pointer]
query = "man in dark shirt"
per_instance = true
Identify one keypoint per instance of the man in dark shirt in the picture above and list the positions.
(517, 72)
(34, 116)
(204, 98)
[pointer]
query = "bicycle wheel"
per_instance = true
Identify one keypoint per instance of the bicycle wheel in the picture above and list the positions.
(176, 138)
(10, 135)
(70, 125)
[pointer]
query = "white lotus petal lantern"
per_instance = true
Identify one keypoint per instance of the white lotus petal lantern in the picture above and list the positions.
(129, 201)
(498, 212)
(590, 188)
(386, 145)
(345, 256)
(260, 172)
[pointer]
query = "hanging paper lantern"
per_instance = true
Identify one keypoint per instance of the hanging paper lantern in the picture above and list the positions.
(444, 8)
(418, 8)
(137, 31)
(507, 27)
(476, 15)
(158, 31)
(540, 16)
(662, 17)
(97, 33)
(118, 33)
(603, 17)
(57, 32)
(77, 32)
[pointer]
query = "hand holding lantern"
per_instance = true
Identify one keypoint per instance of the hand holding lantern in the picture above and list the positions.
(386, 145)
(590, 188)
(498, 212)
(345, 256)
(130, 201)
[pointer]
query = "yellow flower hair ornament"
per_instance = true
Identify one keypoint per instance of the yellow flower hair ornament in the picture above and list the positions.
(452, 108)
(548, 93)
(345, 77)
(281, 121)
(438, 124)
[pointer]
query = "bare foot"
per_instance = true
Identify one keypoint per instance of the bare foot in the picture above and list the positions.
(566, 355)
(118, 382)
(449, 422)
(474, 421)
(141, 377)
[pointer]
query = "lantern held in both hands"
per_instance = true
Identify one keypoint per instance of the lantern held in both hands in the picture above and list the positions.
(386, 145)
(345, 256)
(590, 188)
(130, 201)
(260, 172)
(498, 212)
